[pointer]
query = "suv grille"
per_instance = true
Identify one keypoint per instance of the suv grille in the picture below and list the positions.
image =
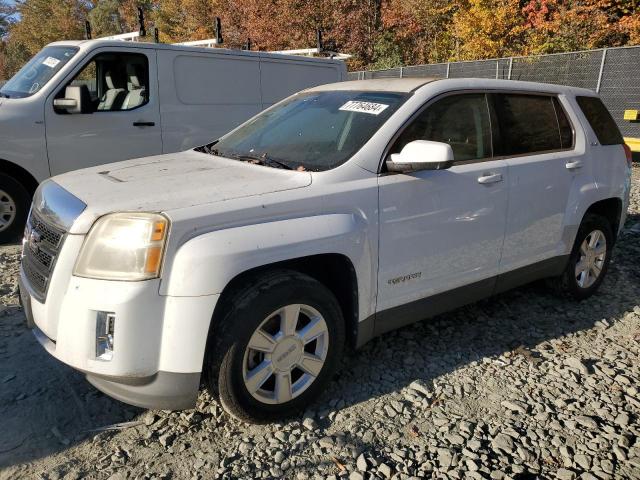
(41, 246)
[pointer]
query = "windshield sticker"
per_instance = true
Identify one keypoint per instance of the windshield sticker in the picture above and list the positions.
(51, 62)
(364, 107)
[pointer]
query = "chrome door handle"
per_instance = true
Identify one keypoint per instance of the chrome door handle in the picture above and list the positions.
(490, 178)
(573, 165)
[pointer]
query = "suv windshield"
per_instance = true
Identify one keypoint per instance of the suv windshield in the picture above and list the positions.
(37, 72)
(312, 131)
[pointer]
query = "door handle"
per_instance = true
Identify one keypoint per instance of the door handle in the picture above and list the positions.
(490, 178)
(144, 124)
(573, 165)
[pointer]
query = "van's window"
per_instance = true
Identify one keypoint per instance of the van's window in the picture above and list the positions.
(115, 81)
(315, 130)
(528, 124)
(37, 72)
(462, 121)
(601, 121)
(566, 130)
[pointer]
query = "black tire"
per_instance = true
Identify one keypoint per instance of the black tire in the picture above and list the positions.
(11, 188)
(567, 284)
(247, 308)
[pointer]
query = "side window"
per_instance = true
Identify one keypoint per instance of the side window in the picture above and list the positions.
(115, 81)
(87, 76)
(528, 124)
(601, 121)
(462, 121)
(566, 131)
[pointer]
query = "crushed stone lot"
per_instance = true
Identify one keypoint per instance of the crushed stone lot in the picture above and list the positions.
(523, 385)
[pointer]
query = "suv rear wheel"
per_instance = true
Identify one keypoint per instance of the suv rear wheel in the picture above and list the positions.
(276, 347)
(14, 206)
(589, 259)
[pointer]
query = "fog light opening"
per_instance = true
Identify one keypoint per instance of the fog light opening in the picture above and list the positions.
(105, 322)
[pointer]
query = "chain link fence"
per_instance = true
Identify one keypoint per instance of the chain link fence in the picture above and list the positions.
(612, 72)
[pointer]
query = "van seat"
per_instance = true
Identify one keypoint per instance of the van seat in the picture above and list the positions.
(114, 96)
(137, 90)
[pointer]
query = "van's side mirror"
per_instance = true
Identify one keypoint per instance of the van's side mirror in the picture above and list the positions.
(76, 100)
(421, 155)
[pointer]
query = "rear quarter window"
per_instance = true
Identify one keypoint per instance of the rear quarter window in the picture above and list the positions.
(601, 121)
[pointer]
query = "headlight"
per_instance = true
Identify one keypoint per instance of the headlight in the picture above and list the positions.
(123, 246)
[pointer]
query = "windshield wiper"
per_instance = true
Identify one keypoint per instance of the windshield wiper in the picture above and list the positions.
(263, 159)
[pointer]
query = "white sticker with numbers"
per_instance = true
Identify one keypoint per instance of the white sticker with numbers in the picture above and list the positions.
(51, 62)
(364, 107)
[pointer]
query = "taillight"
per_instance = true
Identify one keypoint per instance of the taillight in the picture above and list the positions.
(627, 152)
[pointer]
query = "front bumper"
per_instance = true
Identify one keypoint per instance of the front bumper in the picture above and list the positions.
(159, 341)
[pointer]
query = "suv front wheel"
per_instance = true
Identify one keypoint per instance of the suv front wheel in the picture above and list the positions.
(589, 259)
(276, 347)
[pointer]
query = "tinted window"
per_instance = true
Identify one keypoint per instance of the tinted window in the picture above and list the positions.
(462, 121)
(600, 120)
(315, 130)
(528, 124)
(566, 131)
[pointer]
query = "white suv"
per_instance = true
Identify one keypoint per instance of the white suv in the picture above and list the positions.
(338, 214)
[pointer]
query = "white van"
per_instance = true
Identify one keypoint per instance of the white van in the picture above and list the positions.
(84, 103)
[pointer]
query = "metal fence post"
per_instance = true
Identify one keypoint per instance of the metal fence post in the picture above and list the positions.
(400, 72)
(448, 65)
(510, 67)
(604, 57)
(497, 68)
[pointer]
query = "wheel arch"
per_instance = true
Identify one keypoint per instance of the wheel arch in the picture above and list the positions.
(334, 270)
(609, 208)
(19, 174)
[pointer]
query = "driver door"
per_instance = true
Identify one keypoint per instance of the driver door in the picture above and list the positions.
(123, 120)
(442, 229)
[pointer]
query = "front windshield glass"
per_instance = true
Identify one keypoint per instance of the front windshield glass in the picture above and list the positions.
(37, 72)
(312, 131)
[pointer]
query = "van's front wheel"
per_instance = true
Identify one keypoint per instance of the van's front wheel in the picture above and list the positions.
(14, 206)
(276, 347)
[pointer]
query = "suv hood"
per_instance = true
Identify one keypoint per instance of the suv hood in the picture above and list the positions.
(167, 182)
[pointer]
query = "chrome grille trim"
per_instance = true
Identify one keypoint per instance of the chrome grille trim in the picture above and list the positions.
(40, 249)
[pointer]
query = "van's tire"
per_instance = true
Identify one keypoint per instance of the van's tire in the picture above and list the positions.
(14, 208)
(256, 313)
(592, 248)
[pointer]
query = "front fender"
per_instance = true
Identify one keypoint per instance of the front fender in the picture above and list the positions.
(206, 264)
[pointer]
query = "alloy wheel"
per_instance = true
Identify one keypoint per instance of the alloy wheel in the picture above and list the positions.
(7, 210)
(285, 354)
(593, 252)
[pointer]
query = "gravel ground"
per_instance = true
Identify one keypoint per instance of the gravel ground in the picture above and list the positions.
(524, 385)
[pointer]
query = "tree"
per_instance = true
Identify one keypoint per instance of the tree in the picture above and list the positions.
(43, 21)
(488, 29)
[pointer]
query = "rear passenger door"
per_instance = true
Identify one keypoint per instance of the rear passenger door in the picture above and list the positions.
(122, 118)
(536, 139)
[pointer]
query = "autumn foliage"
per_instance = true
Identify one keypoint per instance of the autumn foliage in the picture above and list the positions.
(379, 33)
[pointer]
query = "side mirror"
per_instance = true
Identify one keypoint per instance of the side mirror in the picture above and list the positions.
(421, 155)
(76, 100)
